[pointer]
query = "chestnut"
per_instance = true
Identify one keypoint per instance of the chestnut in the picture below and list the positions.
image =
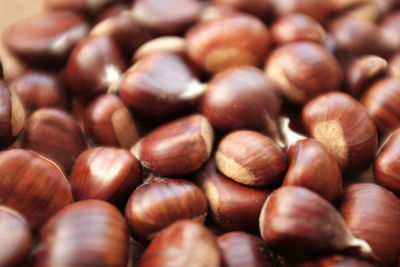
(111, 10)
(104, 173)
(172, 44)
(94, 67)
(54, 134)
(213, 11)
(381, 100)
(250, 158)
(230, 41)
(312, 166)
(16, 238)
(178, 147)
(46, 39)
(107, 121)
(160, 85)
(184, 243)
(316, 9)
(260, 8)
(82, 6)
(100, 240)
(337, 261)
(32, 185)
(243, 97)
(39, 89)
(372, 213)
(304, 70)
(394, 66)
(233, 206)
(159, 202)
(344, 126)
(390, 30)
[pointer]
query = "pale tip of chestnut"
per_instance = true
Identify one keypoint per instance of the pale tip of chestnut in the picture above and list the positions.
(125, 129)
(227, 164)
(173, 44)
(207, 133)
(221, 59)
(18, 115)
(69, 39)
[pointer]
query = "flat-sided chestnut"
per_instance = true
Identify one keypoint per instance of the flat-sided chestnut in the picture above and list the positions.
(160, 85)
(86, 233)
(38, 89)
(260, 8)
(382, 100)
(243, 97)
(105, 173)
(184, 243)
(178, 147)
(373, 213)
(312, 166)
(250, 158)
(304, 70)
(82, 6)
(230, 41)
(337, 261)
(316, 9)
(54, 134)
(32, 185)
(161, 201)
(108, 121)
(47, 38)
(344, 126)
(94, 67)
(233, 206)
(172, 44)
(16, 239)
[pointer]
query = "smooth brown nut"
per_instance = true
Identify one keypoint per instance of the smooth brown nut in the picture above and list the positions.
(390, 29)
(82, 6)
(104, 173)
(160, 85)
(95, 67)
(16, 238)
(226, 42)
(233, 206)
(344, 126)
(38, 89)
(184, 243)
(260, 8)
(46, 39)
(108, 122)
(337, 261)
(32, 185)
(56, 135)
(160, 202)
(250, 158)
(100, 240)
(316, 9)
(173, 44)
(304, 70)
(178, 147)
(312, 166)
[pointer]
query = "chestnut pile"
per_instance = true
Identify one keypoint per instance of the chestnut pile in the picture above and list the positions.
(193, 133)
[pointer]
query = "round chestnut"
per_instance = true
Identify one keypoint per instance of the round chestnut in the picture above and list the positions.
(81, 6)
(304, 70)
(173, 44)
(230, 41)
(250, 158)
(161, 201)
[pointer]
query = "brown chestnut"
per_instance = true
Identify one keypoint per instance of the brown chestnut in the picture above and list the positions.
(159, 202)
(54, 134)
(111, 10)
(304, 70)
(178, 147)
(337, 261)
(32, 185)
(104, 173)
(230, 41)
(344, 126)
(250, 158)
(16, 239)
(390, 30)
(312, 166)
(172, 44)
(184, 243)
(86, 233)
(46, 39)
(260, 8)
(108, 121)
(316, 9)
(82, 6)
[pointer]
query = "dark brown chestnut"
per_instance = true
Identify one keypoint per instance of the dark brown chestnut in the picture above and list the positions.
(184, 243)
(230, 41)
(178, 147)
(312, 166)
(233, 206)
(16, 238)
(304, 70)
(373, 214)
(337, 261)
(82, 6)
(316, 9)
(32, 185)
(46, 39)
(54, 134)
(100, 240)
(260, 8)
(173, 44)
(250, 158)
(104, 173)
(344, 126)
(161, 201)
(108, 121)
